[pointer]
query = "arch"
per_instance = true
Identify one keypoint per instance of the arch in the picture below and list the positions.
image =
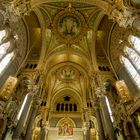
(65, 57)
(57, 95)
(102, 4)
(56, 51)
(131, 70)
(93, 119)
(37, 119)
(6, 61)
(76, 66)
(66, 119)
(135, 58)
(2, 35)
(130, 130)
(37, 128)
(134, 41)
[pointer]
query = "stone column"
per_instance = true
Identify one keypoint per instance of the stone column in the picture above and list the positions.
(44, 132)
(84, 131)
(86, 125)
(99, 121)
(87, 131)
(20, 126)
(8, 135)
(106, 115)
(119, 135)
(34, 109)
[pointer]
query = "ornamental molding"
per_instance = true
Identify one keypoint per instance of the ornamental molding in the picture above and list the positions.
(67, 73)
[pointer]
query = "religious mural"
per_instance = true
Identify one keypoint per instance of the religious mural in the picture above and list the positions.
(69, 26)
(65, 130)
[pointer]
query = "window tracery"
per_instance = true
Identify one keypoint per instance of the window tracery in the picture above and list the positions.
(132, 71)
(5, 57)
(135, 41)
(2, 35)
(132, 59)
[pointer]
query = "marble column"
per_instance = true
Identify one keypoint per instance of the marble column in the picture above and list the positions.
(100, 124)
(131, 132)
(106, 115)
(44, 133)
(87, 132)
(120, 135)
(8, 135)
(20, 125)
(87, 124)
(31, 120)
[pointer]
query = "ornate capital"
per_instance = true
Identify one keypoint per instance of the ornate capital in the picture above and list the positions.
(100, 92)
(124, 18)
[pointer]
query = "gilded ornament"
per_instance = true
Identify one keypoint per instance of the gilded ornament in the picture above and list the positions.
(69, 26)
(8, 88)
(123, 91)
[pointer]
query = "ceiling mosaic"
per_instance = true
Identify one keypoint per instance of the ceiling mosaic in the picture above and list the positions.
(69, 21)
(69, 26)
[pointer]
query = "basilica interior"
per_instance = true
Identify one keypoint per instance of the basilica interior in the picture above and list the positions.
(69, 69)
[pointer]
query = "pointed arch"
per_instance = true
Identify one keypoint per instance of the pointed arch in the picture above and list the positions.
(135, 58)
(135, 42)
(131, 70)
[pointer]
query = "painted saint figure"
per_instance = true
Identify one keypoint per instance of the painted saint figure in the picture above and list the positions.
(65, 130)
(69, 26)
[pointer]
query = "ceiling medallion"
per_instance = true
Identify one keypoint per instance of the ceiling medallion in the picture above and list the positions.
(69, 26)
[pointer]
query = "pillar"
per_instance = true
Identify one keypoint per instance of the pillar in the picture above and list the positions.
(100, 124)
(119, 135)
(86, 125)
(44, 133)
(20, 125)
(8, 135)
(87, 131)
(31, 120)
(107, 118)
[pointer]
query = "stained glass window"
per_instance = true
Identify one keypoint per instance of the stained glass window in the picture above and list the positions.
(4, 56)
(3, 49)
(135, 41)
(132, 61)
(135, 58)
(2, 35)
(132, 71)
(5, 61)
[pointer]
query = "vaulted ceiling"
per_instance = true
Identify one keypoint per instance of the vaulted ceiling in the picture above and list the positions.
(68, 31)
(68, 40)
